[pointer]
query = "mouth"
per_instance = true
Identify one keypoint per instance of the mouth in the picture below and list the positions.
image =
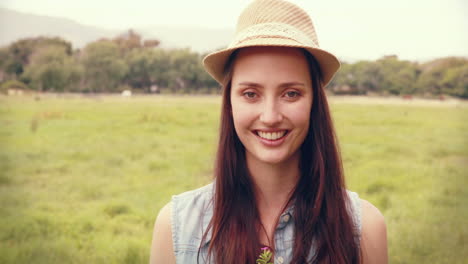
(271, 136)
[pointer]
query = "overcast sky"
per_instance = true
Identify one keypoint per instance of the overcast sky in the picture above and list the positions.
(365, 29)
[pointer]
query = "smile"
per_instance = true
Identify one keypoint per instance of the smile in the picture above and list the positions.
(271, 135)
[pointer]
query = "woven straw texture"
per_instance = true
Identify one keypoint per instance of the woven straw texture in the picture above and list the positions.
(273, 23)
(268, 11)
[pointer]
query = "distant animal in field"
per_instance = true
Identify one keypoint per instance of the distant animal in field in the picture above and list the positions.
(126, 93)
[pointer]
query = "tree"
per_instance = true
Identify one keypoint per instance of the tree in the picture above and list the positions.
(103, 68)
(21, 51)
(51, 69)
(184, 74)
(455, 81)
(151, 43)
(444, 76)
(147, 67)
(357, 78)
(398, 77)
(7, 65)
(128, 41)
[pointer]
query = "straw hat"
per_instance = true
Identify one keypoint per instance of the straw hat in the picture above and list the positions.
(273, 23)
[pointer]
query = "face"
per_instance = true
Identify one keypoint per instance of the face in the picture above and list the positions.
(271, 98)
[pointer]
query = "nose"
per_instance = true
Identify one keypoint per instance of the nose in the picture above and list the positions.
(271, 114)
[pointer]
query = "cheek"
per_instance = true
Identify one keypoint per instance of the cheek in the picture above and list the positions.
(241, 117)
(300, 116)
(303, 116)
(302, 123)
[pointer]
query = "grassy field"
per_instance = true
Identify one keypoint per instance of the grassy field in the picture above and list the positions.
(82, 178)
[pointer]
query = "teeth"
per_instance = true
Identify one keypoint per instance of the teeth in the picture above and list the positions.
(271, 135)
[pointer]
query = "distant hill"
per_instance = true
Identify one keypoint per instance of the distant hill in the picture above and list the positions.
(198, 39)
(16, 25)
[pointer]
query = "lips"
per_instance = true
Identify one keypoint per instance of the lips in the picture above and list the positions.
(271, 135)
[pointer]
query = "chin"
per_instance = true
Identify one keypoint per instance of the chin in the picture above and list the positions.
(273, 159)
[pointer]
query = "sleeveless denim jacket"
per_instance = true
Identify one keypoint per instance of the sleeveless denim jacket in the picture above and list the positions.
(192, 212)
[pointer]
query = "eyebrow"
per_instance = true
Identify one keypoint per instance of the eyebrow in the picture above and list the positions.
(283, 85)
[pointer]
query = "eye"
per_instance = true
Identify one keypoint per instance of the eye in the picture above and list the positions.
(250, 95)
(292, 94)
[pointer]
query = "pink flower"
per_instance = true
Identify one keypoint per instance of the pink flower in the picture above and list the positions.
(265, 256)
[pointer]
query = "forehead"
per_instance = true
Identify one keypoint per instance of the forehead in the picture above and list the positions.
(270, 64)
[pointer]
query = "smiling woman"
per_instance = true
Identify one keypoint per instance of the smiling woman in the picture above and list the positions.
(278, 192)
(271, 98)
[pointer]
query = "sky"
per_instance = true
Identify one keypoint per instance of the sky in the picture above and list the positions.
(364, 29)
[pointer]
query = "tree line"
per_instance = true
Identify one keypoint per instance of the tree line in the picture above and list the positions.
(127, 61)
(391, 76)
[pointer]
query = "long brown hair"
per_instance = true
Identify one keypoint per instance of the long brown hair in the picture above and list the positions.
(321, 217)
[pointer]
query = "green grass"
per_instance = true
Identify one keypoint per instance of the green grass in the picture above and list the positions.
(82, 178)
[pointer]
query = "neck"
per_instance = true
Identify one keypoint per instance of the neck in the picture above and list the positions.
(273, 187)
(273, 183)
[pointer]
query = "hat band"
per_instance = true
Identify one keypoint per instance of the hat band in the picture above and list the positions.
(273, 30)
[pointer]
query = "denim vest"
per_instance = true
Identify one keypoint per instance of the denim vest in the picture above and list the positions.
(192, 212)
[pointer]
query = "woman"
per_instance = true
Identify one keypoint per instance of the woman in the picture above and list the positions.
(278, 184)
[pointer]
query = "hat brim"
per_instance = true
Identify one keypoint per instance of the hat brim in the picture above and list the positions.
(215, 62)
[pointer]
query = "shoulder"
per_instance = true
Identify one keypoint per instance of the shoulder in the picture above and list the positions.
(354, 207)
(190, 217)
(162, 246)
(202, 191)
(164, 215)
(178, 223)
(191, 202)
(373, 234)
